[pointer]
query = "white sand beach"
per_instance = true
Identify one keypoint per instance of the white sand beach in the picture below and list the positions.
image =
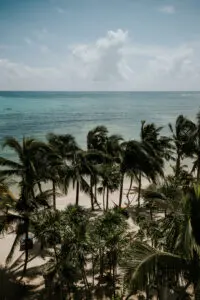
(7, 240)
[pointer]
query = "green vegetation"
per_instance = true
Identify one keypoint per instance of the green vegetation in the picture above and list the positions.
(94, 253)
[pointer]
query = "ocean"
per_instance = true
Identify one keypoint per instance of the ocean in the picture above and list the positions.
(35, 114)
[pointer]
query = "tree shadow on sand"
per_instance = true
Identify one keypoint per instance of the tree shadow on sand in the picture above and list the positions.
(10, 288)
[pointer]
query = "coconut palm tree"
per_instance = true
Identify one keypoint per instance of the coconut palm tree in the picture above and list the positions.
(193, 147)
(20, 217)
(157, 147)
(109, 235)
(181, 137)
(26, 173)
(137, 160)
(24, 169)
(109, 182)
(60, 155)
(97, 139)
(178, 257)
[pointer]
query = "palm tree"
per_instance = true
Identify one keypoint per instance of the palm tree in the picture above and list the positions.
(25, 169)
(137, 160)
(97, 139)
(109, 236)
(97, 145)
(157, 148)
(109, 182)
(26, 173)
(58, 157)
(179, 252)
(181, 136)
(80, 169)
(193, 147)
(20, 216)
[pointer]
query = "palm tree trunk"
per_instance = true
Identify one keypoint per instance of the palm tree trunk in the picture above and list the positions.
(107, 199)
(26, 245)
(121, 189)
(54, 194)
(101, 268)
(139, 188)
(77, 192)
(95, 189)
(93, 270)
(113, 275)
(91, 193)
(104, 198)
(178, 165)
(131, 183)
(198, 169)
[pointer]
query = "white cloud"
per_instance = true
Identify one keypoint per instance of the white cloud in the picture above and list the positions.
(112, 62)
(167, 9)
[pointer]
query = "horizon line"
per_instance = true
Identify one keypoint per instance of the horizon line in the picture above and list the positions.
(97, 91)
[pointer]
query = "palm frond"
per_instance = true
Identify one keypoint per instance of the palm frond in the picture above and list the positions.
(13, 144)
(11, 164)
(146, 263)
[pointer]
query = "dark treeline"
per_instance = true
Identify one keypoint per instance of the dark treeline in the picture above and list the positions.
(93, 253)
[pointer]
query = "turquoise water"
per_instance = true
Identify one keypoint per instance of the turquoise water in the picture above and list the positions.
(37, 113)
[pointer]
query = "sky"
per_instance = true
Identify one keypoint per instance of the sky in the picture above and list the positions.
(78, 45)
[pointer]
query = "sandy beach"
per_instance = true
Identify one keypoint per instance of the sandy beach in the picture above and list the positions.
(35, 260)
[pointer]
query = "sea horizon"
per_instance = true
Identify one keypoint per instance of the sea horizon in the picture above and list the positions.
(36, 113)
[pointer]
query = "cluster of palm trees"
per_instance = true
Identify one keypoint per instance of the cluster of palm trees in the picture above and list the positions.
(93, 252)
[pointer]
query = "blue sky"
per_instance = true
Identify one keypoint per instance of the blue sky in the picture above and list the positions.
(99, 45)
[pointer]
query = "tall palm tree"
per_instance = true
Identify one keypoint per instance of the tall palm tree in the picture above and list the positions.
(137, 160)
(60, 155)
(96, 143)
(194, 147)
(109, 182)
(181, 136)
(157, 147)
(24, 170)
(80, 169)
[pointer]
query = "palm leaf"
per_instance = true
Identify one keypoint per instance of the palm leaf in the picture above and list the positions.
(145, 263)
(14, 145)
(9, 163)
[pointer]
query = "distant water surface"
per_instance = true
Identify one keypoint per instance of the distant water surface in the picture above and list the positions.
(37, 113)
